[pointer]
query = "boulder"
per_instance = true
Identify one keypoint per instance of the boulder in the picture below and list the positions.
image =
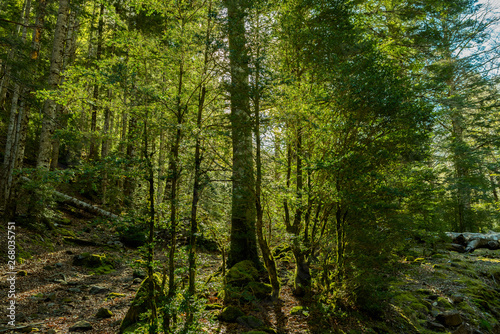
(242, 273)
(260, 290)
(141, 303)
(95, 289)
(230, 314)
(450, 318)
(250, 321)
(103, 313)
(81, 326)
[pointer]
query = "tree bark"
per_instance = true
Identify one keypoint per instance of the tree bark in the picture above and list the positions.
(14, 146)
(49, 108)
(263, 243)
(93, 150)
(243, 236)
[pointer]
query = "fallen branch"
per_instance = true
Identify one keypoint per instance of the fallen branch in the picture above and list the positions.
(80, 204)
(468, 242)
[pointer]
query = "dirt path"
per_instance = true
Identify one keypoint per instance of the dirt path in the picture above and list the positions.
(55, 293)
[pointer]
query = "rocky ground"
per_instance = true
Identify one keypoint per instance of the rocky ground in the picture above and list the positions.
(63, 286)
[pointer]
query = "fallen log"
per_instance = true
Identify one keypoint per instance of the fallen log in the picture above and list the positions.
(468, 242)
(80, 204)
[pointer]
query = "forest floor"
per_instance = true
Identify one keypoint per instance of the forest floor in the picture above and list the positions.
(53, 294)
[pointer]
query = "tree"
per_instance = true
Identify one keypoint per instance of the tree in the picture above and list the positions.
(243, 237)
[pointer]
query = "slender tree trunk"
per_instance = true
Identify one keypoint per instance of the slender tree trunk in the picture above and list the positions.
(151, 226)
(302, 277)
(243, 236)
(264, 246)
(14, 132)
(494, 187)
(93, 151)
(69, 56)
(49, 108)
(197, 187)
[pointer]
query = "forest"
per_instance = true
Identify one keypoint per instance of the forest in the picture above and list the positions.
(239, 166)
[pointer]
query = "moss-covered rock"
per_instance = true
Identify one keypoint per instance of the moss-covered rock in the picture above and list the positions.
(242, 273)
(89, 260)
(140, 304)
(100, 264)
(250, 321)
(260, 290)
(103, 313)
(66, 233)
(113, 295)
(230, 314)
(298, 310)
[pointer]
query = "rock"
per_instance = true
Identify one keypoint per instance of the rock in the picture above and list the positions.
(450, 318)
(103, 313)
(444, 302)
(250, 321)
(50, 297)
(59, 265)
(91, 260)
(463, 329)
(113, 295)
(74, 290)
(81, 326)
(51, 331)
(435, 326)
(457, 298)
(95, 289)
(230, 314)
(22, 273)
(27, 329)
(140, 304)
(21, 317)
(141, 274)
(242, 273)
(260, 290)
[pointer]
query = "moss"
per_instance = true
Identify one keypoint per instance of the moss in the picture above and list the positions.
(113, 295)
(140, 304)
(104, 313)
(103, 270)
(299, 310)
(22, 273)
(242, 273)
(100, 263)
(66, 233)
(230, 314)
(213, 307)
(260, 290)
(444, 302)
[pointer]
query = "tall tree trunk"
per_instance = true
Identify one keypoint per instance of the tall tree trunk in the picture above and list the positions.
(69, 56)
(93, 151)
(264, 246)
(14, 131)
(243, 237)
(151, 226)
(49, 108)
(302, 276)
